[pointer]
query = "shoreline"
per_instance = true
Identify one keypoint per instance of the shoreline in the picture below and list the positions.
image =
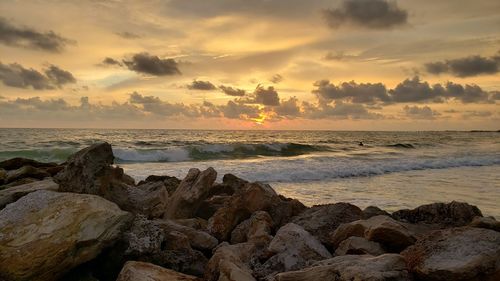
(198, 229)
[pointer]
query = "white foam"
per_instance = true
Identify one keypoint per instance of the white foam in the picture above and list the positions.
(134, 155)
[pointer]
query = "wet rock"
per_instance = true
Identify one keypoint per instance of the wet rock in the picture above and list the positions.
(388, 267)
(486, 222)
(142, 271)
(26, 172)
(445, 214)
(44, 234)
(359, 246)
(322, 220)
(253, 197)
(456, 254)
(190, 194)
(393, 235)
(231, 262)
(372, 211)
(257, 227)
(18, 162)
(293, 248)
(12, 194)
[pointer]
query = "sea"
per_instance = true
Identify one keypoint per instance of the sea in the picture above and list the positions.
(391, 170)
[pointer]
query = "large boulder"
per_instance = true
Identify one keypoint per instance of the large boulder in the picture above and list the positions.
(486, 222)
(388, 267)
(359, 246)
(171, 183)
(190, 193)
(12, 194)
(293, 248)
(253, 197)
(444, 214)
(46, 233)
(142, 271)
(456, 254)
(257, 227)
(197, 239)
(18, 162)
(322, 220)
(372, 211)
(231, 262)
(393, 235)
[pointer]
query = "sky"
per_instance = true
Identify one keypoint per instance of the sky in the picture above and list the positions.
(260, 64)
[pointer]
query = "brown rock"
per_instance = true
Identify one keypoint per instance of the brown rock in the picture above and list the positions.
(171, 183)
(18, 182)
(359, 246)
(322, 220)
(26, 172)
(486, 222)
(388, 267)
(196, 223)
(192, 191)
(372, 211)
(44, 234)
(18, 162)
(3, 176)
(12, 194)
(463, 253)
(445, 214)
(257, 227)
(231, 262)
(142, 271)
(210, 205)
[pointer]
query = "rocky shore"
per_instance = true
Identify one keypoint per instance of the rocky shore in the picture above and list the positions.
(86, 219)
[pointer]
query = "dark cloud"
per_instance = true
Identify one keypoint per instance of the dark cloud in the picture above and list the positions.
(356, 93)
(201, 85)
(149, 64)
(110, 61)
(238, 110)
(414, 90)
(338, 110)
(48, 105)
(156, 106)
(25, 37)
(277, 78)
(15, 75)
(423, 112)
(288, 108)
(127, 35)
(374, 14)
(476, 114)
(230, 91)
(268, 97)
(466, 67)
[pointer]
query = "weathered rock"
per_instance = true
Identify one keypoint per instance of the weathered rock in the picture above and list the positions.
(10, 195)
(196, 223)
(388, 267)
(54, 170)
(18, 162)
(3, 176)
(293, 248)
(46, 233)
(322, 220)
(171, 183)
(253, 197)
(26, 172)
(231, 262)
(142, 271)
(486, 222)
(456, 254)
(393, 235)
(197, 239)
(445, 214)
(190, 193)
(257, 227)
(372, 211)
(359, 246)
(210, 205)
(284, 210)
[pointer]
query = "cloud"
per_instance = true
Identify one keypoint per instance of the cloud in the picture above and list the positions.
(15, 75)
(127, 35)
(356, 93)
(230, 91)
(25, 37)
(288, 108)
(261, 95)
(466, 67)
(423, 112)
(153, 65)
(372, 14)
(238, 110)
(277, 78)
(110, 61)
(339, 110)
(201, 85)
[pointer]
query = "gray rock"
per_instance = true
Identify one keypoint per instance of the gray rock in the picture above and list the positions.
(12, 194)
(486, 222)
(26, 172)
(372, 211)
(18, 162)
(359, 246)
(142, 271)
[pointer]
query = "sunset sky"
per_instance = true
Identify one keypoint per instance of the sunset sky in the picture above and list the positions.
(260, 64)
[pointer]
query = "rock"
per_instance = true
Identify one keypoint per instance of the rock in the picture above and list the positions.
(19, 182)
(197, 239)
(359, 246)
(18, 162)
(322, 220)
(142, 271)
(285, 209)
(3, 176)
(372, 211)
(26, 172)
(54, 170)
(85, 170)
(44, 234)
(445, 214)
(253, 197)
(210, 205)
(257, 227)
(188, 197)
(293, 248)
(171, 183)
(230, 185)
(393, 235)
(230, 263)
(456, 254)
(196, 223)
(12, 194)
(388, 267)
(486, 222)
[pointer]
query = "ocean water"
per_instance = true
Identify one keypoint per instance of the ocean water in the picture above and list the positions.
(392, 170)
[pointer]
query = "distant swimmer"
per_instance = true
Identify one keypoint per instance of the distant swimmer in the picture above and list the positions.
(361, 143)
